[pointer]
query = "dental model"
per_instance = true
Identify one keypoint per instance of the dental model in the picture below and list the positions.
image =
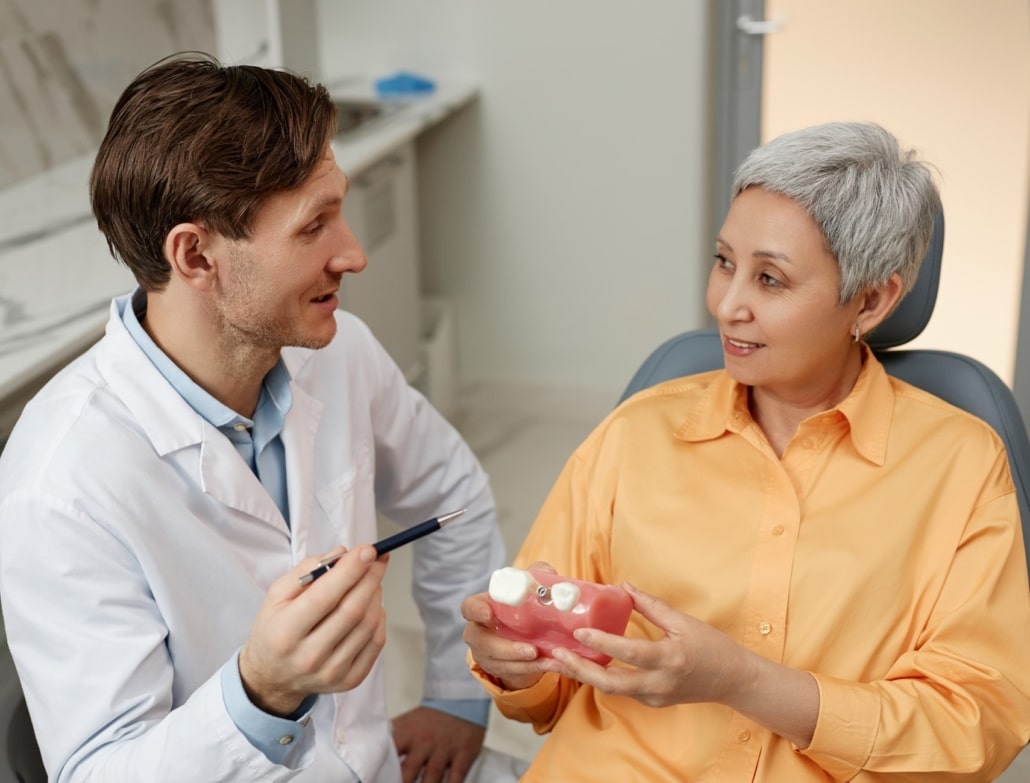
(544, 609)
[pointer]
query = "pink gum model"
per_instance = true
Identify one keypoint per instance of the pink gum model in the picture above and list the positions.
(544, 609)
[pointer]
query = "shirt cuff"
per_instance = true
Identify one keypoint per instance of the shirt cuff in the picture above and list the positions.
(472, 710)
(273, 736)
(849, 715)
(538, 704)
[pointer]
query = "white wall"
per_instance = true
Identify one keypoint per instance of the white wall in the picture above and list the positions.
(564, 211)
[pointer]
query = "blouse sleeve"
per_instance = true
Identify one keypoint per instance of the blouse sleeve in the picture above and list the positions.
(960, 699)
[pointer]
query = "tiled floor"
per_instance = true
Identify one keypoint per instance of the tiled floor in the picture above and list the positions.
(523, 438)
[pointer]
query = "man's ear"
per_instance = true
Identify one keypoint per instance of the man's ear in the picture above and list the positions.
(187, 248)
(878, 303)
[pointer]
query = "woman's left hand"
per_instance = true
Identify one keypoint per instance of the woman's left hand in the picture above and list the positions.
(693, 662)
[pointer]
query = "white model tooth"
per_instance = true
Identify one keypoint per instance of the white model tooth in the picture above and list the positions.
(511, 586)
(564, 596)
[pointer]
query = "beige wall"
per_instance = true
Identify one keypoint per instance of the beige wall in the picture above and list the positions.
(952, 79)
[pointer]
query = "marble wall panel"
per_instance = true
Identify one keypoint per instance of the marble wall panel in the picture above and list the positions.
(63, 64)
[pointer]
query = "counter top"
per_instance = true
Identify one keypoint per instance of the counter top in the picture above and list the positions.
(359, 149)
(56, 275)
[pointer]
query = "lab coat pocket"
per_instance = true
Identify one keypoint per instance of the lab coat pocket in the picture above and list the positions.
(348, 505)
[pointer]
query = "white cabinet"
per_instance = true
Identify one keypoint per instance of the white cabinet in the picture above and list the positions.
(380, 209)
(269, 33)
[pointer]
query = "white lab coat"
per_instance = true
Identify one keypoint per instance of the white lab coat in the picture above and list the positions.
(136, 547)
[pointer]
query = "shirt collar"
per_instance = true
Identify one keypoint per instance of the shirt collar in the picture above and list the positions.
(721, 408)
(276, 399)
(276, 396)
(868, 409)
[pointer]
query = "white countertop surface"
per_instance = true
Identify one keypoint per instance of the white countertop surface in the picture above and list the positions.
(358, 150)
(56, 275)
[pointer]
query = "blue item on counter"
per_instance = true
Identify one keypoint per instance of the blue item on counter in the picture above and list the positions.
(403, 83)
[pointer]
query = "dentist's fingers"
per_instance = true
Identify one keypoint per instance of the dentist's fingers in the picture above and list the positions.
(317, 638)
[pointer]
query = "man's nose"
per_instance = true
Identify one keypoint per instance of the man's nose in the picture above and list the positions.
(349, 255)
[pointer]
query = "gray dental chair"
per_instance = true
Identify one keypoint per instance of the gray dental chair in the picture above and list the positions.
(958, 379)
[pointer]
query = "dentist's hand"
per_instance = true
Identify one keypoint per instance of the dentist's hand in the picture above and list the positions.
(436, 747)
(320, 638)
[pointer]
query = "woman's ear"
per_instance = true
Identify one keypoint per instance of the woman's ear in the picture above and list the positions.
(878, 303)
(187, 250)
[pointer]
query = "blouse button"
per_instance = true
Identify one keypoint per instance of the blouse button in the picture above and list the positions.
(286, 740)
(778, 530)
(744, 736)
(765, 629)
(240, 427)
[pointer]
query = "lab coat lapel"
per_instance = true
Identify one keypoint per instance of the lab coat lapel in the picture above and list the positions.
(300, 430)
(226, 478)
(177, 432)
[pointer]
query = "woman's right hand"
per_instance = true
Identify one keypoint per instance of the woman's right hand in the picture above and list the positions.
(513, 665)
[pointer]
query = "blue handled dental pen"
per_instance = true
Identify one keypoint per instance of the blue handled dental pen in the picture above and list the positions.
(389, 543)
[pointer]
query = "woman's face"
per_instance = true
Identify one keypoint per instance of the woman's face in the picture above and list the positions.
(774, 291)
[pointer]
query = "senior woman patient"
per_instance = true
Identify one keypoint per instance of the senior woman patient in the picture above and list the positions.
(826, 563)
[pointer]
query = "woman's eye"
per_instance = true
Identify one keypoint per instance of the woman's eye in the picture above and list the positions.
(769, 280)
(722, 262)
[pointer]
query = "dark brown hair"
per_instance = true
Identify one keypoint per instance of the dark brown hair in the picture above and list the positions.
(191, 140)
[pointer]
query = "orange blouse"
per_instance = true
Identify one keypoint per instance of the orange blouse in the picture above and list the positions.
(883, 553)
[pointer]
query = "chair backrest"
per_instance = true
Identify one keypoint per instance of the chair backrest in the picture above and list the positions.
(960, 380)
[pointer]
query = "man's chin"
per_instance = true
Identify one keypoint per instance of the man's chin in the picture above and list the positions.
(315, 341)
(311, 343)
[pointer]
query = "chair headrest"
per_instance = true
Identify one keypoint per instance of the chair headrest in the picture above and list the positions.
(913, 312)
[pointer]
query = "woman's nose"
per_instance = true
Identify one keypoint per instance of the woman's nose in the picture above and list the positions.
(730, 301)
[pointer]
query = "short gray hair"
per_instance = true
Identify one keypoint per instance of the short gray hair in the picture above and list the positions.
(874, 202)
